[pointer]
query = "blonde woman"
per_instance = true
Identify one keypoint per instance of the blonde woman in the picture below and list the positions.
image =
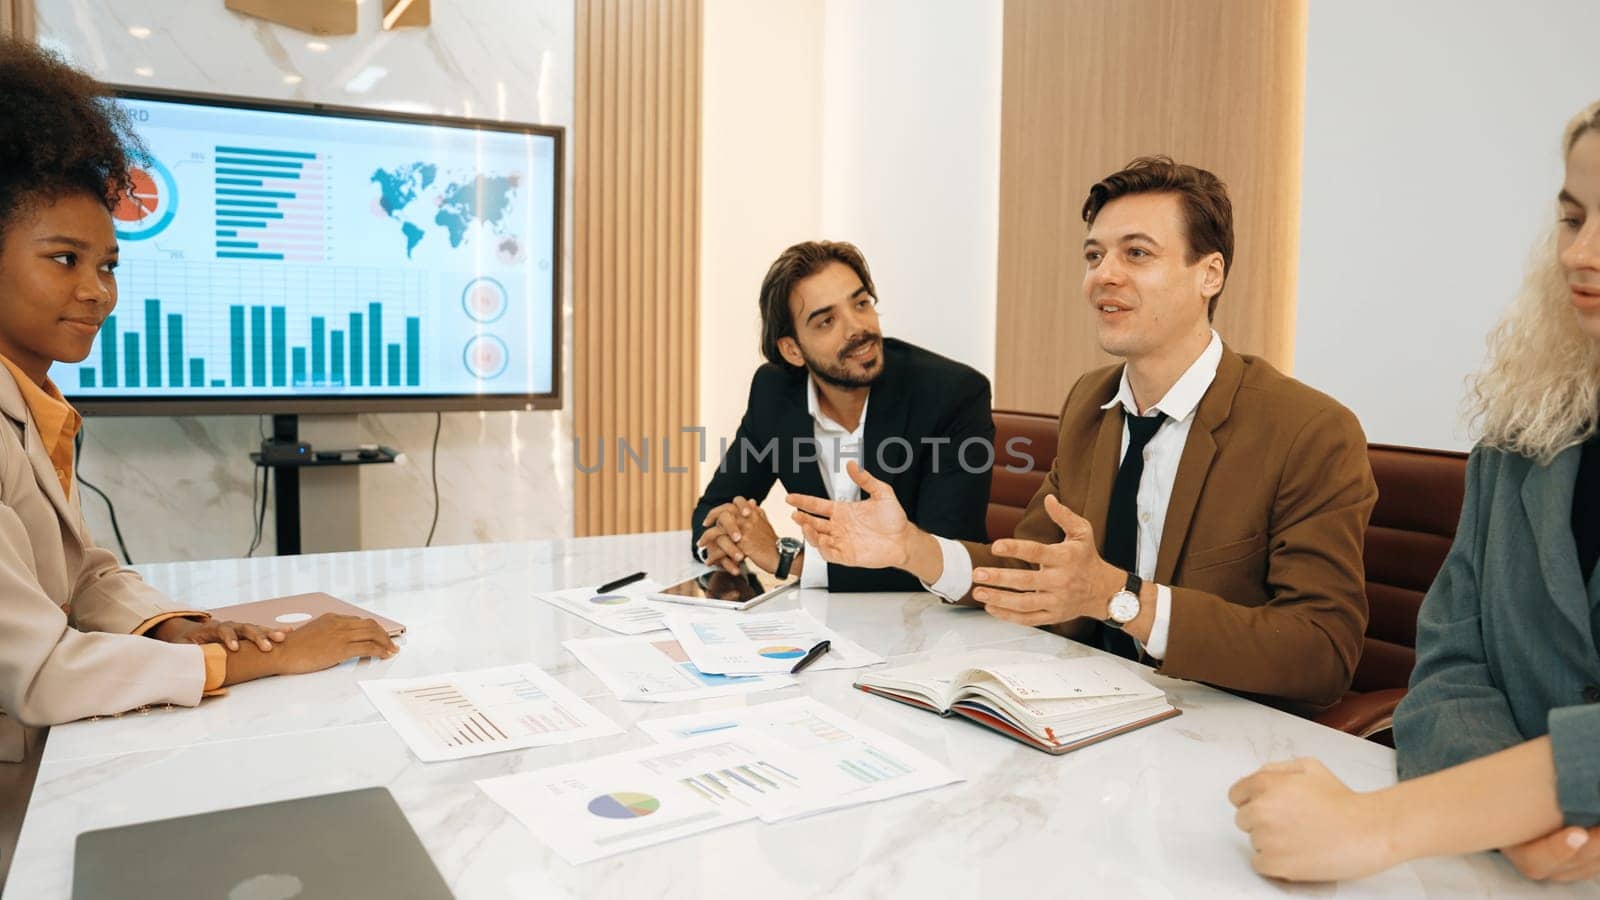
(1499, 736)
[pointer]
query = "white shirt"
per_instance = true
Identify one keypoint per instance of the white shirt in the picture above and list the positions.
(1161, 457)
(835, 446)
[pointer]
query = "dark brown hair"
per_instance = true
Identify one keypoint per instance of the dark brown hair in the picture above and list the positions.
(59, 133)
(790, 268)
(1207, 212)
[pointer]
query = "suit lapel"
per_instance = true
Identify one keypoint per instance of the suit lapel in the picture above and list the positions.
(887, 411)
(1103, 465)
(44, 471)
(1199, 451)
(794, 426)
(1547, 499)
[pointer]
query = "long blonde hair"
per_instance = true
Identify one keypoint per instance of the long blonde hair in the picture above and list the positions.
(1540, 393)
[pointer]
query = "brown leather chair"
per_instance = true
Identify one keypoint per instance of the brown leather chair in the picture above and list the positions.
(1419, 500)
(1024, 449)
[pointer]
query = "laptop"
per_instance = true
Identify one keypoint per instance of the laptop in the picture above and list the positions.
(299, 609)
(346, 845)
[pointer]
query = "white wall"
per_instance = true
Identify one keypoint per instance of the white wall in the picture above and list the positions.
(911, 162)
(1431, 166)
(871, 121)
(183, 486)
(760, 182)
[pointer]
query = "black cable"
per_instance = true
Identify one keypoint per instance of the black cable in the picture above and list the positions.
(116, 529)
(264, 476)
(438, 423)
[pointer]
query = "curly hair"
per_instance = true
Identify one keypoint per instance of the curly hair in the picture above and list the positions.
(1540, 391)
(59, 134)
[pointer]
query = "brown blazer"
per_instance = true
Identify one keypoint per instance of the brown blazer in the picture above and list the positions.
(1263, 539)
(66, 607)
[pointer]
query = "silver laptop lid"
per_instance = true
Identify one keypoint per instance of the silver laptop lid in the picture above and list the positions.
(346, 845)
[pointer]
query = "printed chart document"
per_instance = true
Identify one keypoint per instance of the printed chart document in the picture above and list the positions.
(875, 765)
(762, 643)
(600, 807)
(1051, 704)
(654, 668)
(465, 714)
(624, 610)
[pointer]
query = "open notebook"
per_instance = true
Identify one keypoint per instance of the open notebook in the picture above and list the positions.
(1049, 703)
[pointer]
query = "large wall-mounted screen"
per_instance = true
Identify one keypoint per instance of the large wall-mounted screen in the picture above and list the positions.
(279, 258)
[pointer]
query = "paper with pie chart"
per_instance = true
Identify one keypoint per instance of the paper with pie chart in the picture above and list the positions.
(462, 714)
(624, 610)
(600, 807)
(762, 643)
(874, 765)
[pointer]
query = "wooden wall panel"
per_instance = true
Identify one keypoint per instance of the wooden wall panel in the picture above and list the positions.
(17, 19)
(1089, 85)
(636, 280)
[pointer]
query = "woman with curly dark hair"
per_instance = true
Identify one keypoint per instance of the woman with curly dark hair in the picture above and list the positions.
(80, 635)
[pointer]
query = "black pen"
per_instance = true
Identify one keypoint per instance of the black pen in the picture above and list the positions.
(624, 581)
(812, 655)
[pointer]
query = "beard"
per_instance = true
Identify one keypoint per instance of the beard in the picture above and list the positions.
(838, 374)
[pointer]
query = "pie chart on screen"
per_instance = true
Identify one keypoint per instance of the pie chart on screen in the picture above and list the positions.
(148, 209)
(623, 805)
(484, 299)
(485, 356)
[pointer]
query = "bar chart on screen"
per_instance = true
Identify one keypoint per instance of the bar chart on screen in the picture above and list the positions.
(188, 326)
(271, 204)
(324, 260)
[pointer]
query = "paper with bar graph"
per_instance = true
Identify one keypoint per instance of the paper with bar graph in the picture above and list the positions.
(464, 714)
(875, 765)
(762, 643)
(600, 807)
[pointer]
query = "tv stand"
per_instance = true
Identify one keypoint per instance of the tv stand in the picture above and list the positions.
(286, 482)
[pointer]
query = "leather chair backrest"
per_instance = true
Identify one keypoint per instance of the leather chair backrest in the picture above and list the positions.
(1419, 502)
(1025, 448)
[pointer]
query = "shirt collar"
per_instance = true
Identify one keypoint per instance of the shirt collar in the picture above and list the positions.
(1185, 394)
(56, 420)
(826, 423)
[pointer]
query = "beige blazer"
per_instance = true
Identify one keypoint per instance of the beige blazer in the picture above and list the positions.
(67, 609)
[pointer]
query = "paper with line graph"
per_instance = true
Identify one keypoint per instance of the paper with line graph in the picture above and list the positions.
(462, 714)
(874, 765)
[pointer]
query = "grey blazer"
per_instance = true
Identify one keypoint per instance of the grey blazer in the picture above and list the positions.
(1506, 639)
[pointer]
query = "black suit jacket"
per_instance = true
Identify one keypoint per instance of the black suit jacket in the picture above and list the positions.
(930, 403)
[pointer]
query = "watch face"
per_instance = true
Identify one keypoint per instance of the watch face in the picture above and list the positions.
(790, 545)
(1124, 607)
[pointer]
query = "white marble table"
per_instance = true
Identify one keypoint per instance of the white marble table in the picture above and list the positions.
(1144, 815)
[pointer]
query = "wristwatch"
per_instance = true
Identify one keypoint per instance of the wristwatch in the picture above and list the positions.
(1124, 605)
(788, 549)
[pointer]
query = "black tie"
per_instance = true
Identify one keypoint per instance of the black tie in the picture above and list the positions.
(1122, 518)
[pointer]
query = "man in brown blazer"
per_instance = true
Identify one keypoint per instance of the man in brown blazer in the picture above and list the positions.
(1204, 512)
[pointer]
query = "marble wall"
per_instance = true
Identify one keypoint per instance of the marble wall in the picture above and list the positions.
(183, 486)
